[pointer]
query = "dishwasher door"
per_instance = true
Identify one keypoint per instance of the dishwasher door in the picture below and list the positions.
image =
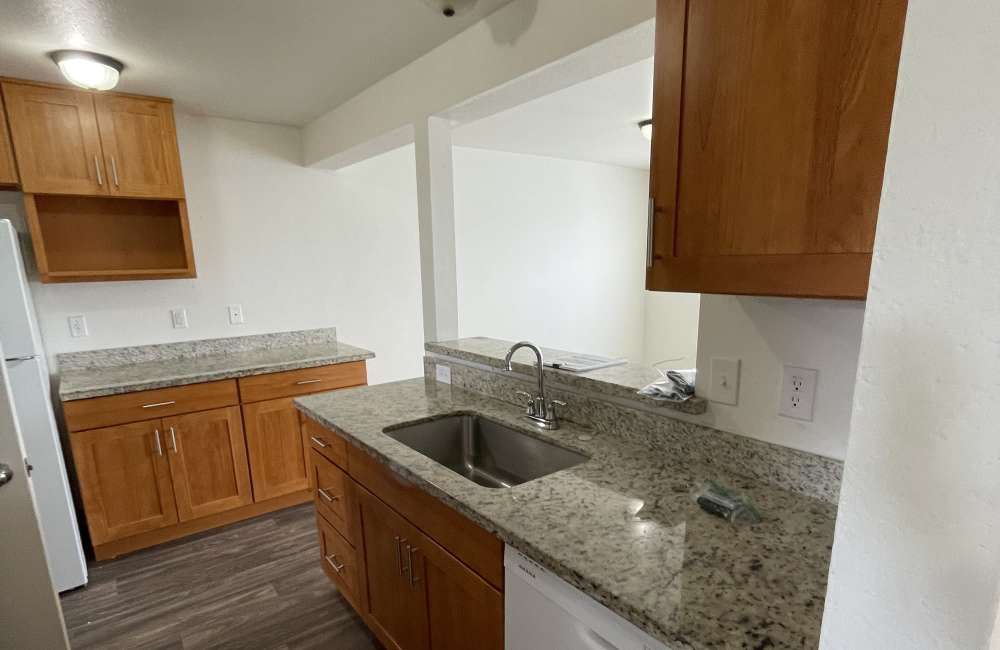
(543, 611)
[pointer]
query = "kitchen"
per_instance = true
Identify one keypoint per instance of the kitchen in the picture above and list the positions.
(272, 318)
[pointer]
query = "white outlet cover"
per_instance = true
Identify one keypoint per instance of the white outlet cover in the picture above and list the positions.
(236, 315)
(725, 384)
(179, 318)
(798, 393)
(78, 326)
(443, 373)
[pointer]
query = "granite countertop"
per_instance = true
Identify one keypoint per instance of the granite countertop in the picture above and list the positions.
(622, 526)
(621, 381)
(86, 382)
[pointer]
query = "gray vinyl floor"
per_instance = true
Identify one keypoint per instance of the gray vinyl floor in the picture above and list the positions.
(256, 584)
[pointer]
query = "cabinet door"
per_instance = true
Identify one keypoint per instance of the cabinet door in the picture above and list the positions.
(8, 170)
(460, 604)
(56, 141)
(124, 480)
(208, 462)
(771, 123)
(278, 461)
(140, 146)
(397, 608)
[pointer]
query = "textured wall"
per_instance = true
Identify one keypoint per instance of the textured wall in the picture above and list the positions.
(916, 558)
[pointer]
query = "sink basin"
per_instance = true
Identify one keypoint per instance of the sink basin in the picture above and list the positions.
(484, 451)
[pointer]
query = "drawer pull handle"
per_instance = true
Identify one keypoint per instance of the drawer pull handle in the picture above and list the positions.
(326, 495)
(173, 440)
(156, 404)
(399, 541)
(159, 447)
(319, 441)
(331, 559)
(414, 578)
(307, 381)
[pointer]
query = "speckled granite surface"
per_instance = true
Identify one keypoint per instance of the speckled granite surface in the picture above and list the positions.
(617, 381)
(124, 370)
(790, 469)
(622, 526)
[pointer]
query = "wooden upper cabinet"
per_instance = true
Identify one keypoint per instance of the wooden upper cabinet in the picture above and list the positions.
(124, 480)
(8, 169)
(771, 122)
(56, 140)
(140, 146)
(208, 462)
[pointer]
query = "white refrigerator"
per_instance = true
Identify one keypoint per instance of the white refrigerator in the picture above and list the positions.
(29, 379)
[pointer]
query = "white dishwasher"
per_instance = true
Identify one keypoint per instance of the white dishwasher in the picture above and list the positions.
(542, 611)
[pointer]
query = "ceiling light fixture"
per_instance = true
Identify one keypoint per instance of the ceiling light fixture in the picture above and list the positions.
(88, 69)
(646, 128)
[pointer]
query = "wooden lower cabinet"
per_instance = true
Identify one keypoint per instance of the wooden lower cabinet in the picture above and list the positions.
(412, 592)
(208, 462)
(278, 457)
(124, 480)
(204, 461)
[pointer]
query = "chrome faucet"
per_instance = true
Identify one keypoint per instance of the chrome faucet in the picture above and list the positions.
(541, 411)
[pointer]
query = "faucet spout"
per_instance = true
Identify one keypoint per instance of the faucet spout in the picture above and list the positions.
(538, 360)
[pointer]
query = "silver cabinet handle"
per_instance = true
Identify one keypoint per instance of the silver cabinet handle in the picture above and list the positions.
(159, 447)
(97, 168)
(173, 440)
(114, 171)
(399, 553)
(303, 382)
(156, 404)
(6, 474)
(326, 495)
(414, 578)
(650, 211)
(331, 559)
(319, 441)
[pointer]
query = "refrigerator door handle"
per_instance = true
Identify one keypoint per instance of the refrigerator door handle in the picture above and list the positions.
(27, 357)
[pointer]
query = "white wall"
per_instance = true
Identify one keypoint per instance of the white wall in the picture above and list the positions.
(767, 333)
(916, 555)
(670, 328)
(550, 250)
(297, 247)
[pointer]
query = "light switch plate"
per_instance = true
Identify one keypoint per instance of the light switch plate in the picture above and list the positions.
(725, 387)
(179, 318)
(236, 315)
(443, 373)
(78, 326)
(798, 393)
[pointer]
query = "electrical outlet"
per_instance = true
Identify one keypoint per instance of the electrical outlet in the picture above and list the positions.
(443, 373)
(798, 393)
(78, 326)
(725, 385)
(179, 318)
(236, 315)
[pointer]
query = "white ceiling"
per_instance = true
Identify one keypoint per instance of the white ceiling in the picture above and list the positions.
(596, 120)
(280, 61)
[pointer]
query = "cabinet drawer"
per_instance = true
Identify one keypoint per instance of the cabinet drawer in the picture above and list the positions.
(302, 382)
(332, 494)
(340, 562)
(324, 441)
(149, 404)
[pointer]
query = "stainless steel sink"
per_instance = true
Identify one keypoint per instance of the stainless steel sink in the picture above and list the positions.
(484, 451)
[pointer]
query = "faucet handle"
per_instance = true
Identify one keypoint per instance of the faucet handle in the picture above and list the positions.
(553, 403)
(529, 401)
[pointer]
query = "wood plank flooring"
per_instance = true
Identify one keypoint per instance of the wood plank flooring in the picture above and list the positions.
(256, 584)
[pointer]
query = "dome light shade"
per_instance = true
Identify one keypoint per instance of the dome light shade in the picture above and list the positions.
(646, 128)
(88, 69)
